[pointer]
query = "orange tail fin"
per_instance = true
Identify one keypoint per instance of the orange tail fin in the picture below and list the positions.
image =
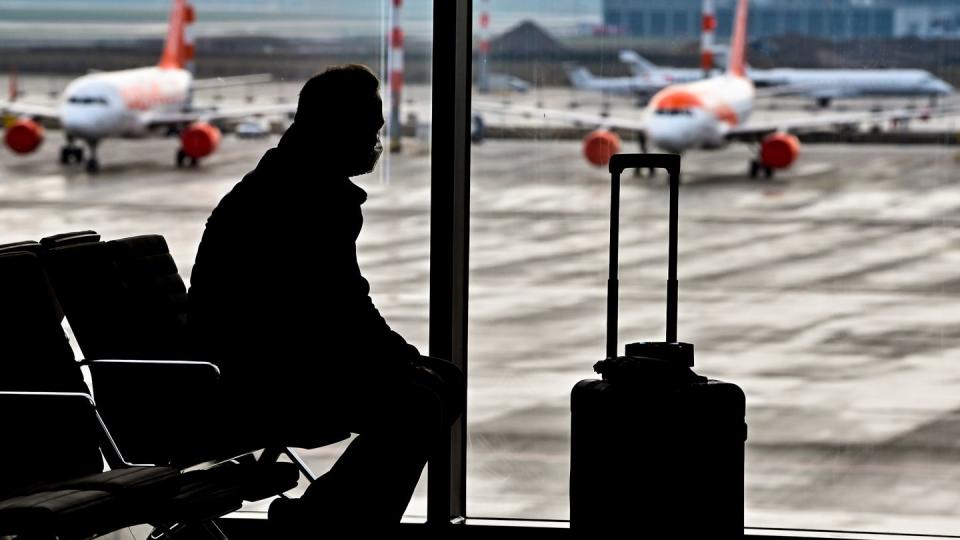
(178, 51)
(738, 43)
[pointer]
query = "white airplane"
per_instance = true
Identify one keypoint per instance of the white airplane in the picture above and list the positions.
(647, 78)
(825, 85)
(137, 102)
(706, 114)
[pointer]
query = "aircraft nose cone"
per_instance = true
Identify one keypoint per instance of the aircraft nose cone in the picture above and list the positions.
(86, 125)
(672, 138)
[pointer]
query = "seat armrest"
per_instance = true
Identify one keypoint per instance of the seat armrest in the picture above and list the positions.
(69, 403)
(158, 409)
(192, 368)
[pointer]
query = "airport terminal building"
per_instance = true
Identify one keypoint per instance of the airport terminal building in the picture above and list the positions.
(838, 19)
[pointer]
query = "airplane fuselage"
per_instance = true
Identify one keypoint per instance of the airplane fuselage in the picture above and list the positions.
(120, 103)
(853, 82)
(698, 114)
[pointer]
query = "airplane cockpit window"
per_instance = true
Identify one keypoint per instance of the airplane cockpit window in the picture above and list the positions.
(673, 112)
(88, 100)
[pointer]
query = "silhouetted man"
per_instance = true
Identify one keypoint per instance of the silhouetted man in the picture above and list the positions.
(278, 302)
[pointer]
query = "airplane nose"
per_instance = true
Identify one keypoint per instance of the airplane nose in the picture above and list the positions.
(671, 137)
(87, 126)
(673, 142)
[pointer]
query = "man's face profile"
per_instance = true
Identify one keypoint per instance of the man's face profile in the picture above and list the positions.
(358, 146)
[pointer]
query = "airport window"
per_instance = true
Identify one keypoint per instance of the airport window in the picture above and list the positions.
(769, 22)
(826, 290)
(614, 17)
(248, 58)
(658, 23)
(681, 23)
(724, 22)
(637, 23)
(861, 23)
(838, 24)
(884, 23)
(817, 266)
(815, 22)
(793, 22)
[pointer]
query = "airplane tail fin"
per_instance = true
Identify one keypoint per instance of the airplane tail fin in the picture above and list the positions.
(178, 51)
(579, 76)
(638, 64)
(737, 62)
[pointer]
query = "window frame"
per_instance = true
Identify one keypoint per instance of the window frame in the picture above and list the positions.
(449, 268)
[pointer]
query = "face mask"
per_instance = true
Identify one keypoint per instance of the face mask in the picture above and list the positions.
(369, 161)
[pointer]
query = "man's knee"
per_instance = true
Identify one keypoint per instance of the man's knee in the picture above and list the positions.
(449, 384)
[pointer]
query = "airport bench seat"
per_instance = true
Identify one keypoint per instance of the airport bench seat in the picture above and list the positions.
(125, 299)
(61, 513)
(101, 502)
(55, 442)
(51, 461)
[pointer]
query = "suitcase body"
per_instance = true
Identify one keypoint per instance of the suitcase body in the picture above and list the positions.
(657, 461)
(655, 449)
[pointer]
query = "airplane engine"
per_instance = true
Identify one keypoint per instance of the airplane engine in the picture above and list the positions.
(779, 150)
(599, 145)
(24, 136)
(199, 140)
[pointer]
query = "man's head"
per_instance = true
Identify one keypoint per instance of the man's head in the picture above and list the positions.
(340, 115)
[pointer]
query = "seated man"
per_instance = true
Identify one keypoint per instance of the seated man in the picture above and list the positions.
(278, 302)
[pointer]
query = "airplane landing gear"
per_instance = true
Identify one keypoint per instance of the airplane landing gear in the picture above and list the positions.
(756, 167)
(71, 152)
(642, 141)
(93, 164)
(183, 160)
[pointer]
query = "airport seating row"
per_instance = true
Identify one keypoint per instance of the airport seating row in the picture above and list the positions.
(126, 306)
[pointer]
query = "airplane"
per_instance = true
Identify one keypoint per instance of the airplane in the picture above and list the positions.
(825, 85)
(647, 78)
(139, 102)
(707, 114)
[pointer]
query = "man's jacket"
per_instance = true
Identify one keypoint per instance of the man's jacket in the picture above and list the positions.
(276, 292)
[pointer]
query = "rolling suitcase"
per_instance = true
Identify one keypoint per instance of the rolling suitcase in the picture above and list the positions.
(656, 450)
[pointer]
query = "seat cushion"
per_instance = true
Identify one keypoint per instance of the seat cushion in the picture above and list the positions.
(135, 483)
(253, 481)
(63, 512)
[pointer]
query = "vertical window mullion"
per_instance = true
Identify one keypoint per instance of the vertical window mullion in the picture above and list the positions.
(449, 235)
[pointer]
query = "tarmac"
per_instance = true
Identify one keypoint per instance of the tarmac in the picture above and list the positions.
(829, 293)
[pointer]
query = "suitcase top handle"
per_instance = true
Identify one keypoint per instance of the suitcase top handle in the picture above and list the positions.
(670, 162)
(619, 162)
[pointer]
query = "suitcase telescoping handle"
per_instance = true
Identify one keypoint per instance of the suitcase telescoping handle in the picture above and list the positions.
(619, 162)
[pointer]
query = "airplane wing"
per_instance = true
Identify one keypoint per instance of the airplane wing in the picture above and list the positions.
(18, 108)
(224, 82)
(576, 118)
(751, 131)
(214, 114)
